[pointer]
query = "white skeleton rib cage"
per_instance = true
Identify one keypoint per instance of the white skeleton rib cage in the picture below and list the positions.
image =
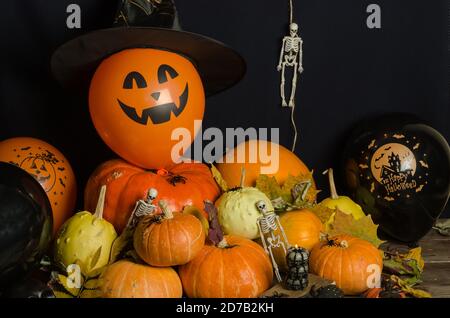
(143, 208)
(268, 223)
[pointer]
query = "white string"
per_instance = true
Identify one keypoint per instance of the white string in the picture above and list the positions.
(291, 12)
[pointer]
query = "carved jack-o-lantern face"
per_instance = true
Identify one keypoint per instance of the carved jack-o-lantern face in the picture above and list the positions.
(138, 97)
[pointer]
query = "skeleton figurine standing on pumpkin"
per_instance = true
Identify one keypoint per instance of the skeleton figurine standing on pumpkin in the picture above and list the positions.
(291, 56)
(143, 208)
(268, 223)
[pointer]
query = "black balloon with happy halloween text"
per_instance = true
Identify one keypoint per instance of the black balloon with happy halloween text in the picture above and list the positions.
(398, 169)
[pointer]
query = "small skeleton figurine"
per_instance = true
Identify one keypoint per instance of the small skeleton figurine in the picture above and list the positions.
(268, 224)
(143, 208)
(291, 55)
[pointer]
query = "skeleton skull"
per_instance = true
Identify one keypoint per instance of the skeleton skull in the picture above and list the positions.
(293, 28)
(152, 194)
(261, 205)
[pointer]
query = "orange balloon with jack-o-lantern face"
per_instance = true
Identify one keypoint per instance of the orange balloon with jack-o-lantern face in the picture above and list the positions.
(49, 167)
(138, 97)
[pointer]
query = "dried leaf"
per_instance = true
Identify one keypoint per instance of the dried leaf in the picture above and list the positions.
(64, 284)
(269, 186)
(60, 294)
(443, 227)
(92, 283)
(192, 210)
(324, 213)
(293, 181)
(218, 177)
(215, 233)
(416, 254)
(87, 293)
(121, 245)
(417, 293)
(363, 228)
(408, 266)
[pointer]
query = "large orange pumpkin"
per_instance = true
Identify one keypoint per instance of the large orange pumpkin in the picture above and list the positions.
(302, 228)
(239, 268)
(173, 240)
(126, 279)
(183, 184)
(247, 155)
(137, 100)
(354, 264)
(48, 166)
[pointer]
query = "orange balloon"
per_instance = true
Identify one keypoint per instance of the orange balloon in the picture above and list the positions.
(285, 164)
(48, 166)
(138, 97)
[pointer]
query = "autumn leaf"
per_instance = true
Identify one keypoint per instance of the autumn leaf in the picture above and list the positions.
(293, 181)
(218, 177)
(269, 186)
(297, 192)
(408, 266)
(417, 293)
(323, 213)
(215, 233)
(121, 245)
(363, 228)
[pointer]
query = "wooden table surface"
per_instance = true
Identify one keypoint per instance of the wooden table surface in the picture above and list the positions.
(436, 274)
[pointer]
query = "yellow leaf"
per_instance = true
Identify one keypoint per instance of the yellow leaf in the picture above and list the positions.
(325, 214)
(87, 293)
(363, 228)
(269, 186)
(59, 294)
(416, 254)
(218, 177)
(120, 244)
(417, 293)
(69, 284)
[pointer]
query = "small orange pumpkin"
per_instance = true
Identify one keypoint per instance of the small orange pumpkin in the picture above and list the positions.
(235, 268)
(126, 279)
(351, 262)
(302, 228)
(173, 240)
(181, 185)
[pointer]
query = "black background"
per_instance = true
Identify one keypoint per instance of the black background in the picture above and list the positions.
(351, 72)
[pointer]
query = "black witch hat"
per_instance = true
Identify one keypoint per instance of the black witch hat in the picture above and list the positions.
(148, 24)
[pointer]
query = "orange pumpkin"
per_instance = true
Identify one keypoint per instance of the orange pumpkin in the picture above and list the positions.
(247, 155)
(126, 279)
(182, 185)
(302, 228)
(236, 268)
(48, 166)
(354, 264)
(175, 239)
(139, 97)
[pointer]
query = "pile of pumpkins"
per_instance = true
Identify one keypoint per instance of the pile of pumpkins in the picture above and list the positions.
(206, 253)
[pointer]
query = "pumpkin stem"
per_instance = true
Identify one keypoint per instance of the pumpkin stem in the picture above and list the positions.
(100, 203)
(166, 210)
(223, 243)
(241, 184)
(333, 191)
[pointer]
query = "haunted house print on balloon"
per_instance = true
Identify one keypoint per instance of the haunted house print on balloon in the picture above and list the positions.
(397, 164)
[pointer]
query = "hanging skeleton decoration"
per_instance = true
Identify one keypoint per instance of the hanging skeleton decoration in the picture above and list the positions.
(143, 208)
(291, 55)
(268, 223)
